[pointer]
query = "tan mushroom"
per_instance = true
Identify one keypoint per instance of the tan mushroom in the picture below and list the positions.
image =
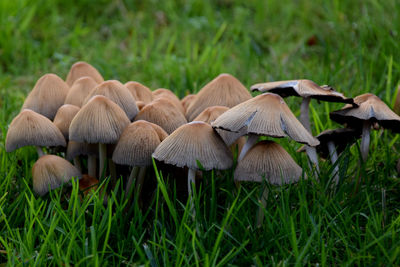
(63, 118)
(79, 90)
(81, 69)
(140, 92)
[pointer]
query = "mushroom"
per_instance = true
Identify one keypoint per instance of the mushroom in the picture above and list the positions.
(88, 184)
(81, 69)
(371, 109)
(52, 171)
(29, 128)
(140, 92)
(63, 118)
(100, 121)
(47, 96)
(76, 149)
(224, 90)
(140, 105)
(79, 90)
(165, 93)
(187, 100)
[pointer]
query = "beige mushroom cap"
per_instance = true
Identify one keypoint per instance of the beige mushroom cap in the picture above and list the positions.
(192, 142)
(63, 118)
(81, 69)
(47, 96)
(224, 90)
(268, 160)
(79, 90)
(53, 171)
(165, 93)
(140, 92)
(136, 144)
(29, 128)
(99, 121)
(266, 114)
(210, 114)
(187, 100)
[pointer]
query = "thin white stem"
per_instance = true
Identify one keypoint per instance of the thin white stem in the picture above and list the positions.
(333, 155)
(40, 152)
(365, 139)
(251, 140)
(132, 177)
(92, 162)
(140, 180)
(263, 202)
(102, 161)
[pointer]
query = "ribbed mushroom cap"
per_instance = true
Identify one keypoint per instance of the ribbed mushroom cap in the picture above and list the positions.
(268, 160)
(165, 93)
(81, 69)
(53, 171)
(224, 90)
(140, 92)
(119, 94)
(47, 95)
(75, 149)
(140, 105)
(192, 142)
(136, 144)
(187, 100)
(266, 114)
(63, 118)
(99, 121)
(370, 107)
(210, 114)
(29, 128)
(163, 113)
(79, 90)
(303, 88)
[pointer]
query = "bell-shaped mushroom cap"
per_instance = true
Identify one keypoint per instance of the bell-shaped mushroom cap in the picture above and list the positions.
(79, 90)
(47, 96)
(224, 90)
(210, 114)
(140, 92)
(119, 94)
(63, 118)
(81, 69)
(75, 149)
(136, 144)
(29, 128)
(163, 113)
(52, 171)
(303, 88)
(187, 100)
(192, 142)
(100, 121)
(268, 160)
(370, 107)
(266, 114)
(165, 93)
(140, 104)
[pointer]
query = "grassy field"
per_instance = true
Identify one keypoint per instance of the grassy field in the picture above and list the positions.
(181, 45)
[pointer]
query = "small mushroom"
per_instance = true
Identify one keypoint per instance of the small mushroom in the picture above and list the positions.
(79, 90)
(165, 93)
(81, 69)
(187, 100)
(63, 118)
(76, 149)
(140, 92)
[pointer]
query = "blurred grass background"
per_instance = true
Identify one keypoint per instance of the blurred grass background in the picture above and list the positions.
(181, 45)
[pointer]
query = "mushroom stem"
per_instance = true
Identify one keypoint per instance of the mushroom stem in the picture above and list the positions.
(191, 182)
(92, 166)
(40, 152)
(251, 140)
(140, 180)
(132, 177)
(263, 204)
(334, 157)
(113, 172)
(77, 163)
(365, 139)
(102, 159)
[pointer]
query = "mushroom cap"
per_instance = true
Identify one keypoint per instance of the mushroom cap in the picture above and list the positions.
(303, 88)
(47, 95)
(370, 107)
(140, 105)
(165, 93)
(75, 149)
(53, 171)
(81, 69)
(163, 113)
(340, 137)
(268, 160)
(119, 94)
(187, 100)
(224, 90)
(99, 121)
(139, 92)
(29, 128)
(210, 114)
(192, 142)
(136, 144)
(79, 90)
(63, 118)
(266, 114)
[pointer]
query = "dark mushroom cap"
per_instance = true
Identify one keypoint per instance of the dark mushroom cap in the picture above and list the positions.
(303, 88)
(192, 142)
(29, 128)
(140, 92)
(79, 90)
(370, 108)
(268, 160)
(340, 137)
(81, 69)
(63, 118)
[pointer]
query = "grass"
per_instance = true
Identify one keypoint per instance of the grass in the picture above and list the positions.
(181, 45)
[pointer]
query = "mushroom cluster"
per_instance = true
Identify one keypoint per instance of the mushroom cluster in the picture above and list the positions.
(101, 125)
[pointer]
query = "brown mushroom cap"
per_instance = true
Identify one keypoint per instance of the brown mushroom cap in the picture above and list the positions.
(63, 118)
(47, 96)
(210, 114)
(53, 171)
(268, 115)
(81, 69)
(75, 149)
(268, 160)
(187, 100)
(136, 144)
(140, 105)
(140, 92)
(370, 107)
(79, 90)
(224, 90)
(119, 94)
(303, 88)
(165, 93)
(100, 121)
(192, 142)
(29, 128)
(163, 113)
